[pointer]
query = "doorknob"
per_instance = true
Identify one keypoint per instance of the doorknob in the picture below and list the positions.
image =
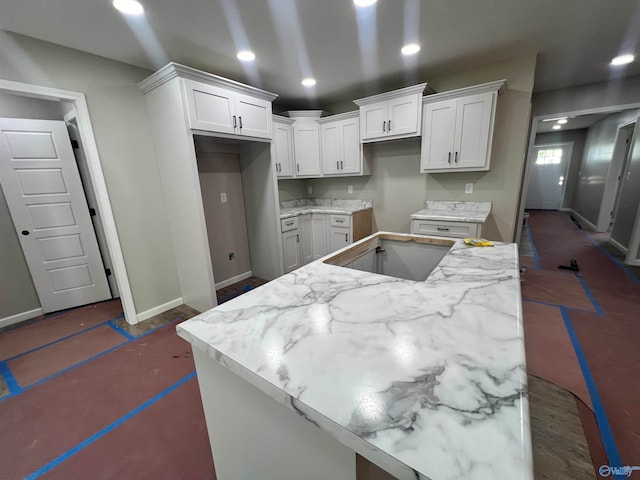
(25, 232)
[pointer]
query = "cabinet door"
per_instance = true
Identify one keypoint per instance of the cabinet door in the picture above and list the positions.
(306, 141)
(473, 120)
(373, 121)
(338, 238)
(403, 116)
(291, 250)
(306, 239)
(351, 151)
(284, 149)
(438, 134)
(320, 235)
(330, 147)
(209, 108)
(254, 116)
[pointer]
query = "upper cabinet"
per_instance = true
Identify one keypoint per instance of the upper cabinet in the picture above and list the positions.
(340, 148)
(306, 142)
(391, 115)
(283, 146)
(458, 129)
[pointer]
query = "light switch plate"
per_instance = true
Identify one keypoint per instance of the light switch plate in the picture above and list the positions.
(350, 189)
(468, 188)
(223, 197)
(309, 189)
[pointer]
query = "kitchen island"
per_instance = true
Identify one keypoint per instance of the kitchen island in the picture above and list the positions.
(424, 378)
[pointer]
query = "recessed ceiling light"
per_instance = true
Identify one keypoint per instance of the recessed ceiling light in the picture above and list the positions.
(364, 3)
(309, 82)
(246, 56)
(623, 59)
(562, 121)
(130, 7)
(557, 127)
(410, 49)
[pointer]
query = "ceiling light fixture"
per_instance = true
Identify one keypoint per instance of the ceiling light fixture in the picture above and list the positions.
(562, 121)
(309, 82)
(410, 49)
(623, 59)
(130, 7)
(246, 56)
(556, 127)
(364, 3)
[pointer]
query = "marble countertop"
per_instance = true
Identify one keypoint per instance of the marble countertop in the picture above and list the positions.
(293, 208)
(468, 212)
(426, 379)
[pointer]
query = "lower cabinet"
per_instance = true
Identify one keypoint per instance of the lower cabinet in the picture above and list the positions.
(291, 250)
(446, 228)
(338, 238)
(306, 238)
(319, 237)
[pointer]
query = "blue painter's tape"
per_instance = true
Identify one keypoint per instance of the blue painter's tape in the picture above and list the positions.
(10, 380)
(587, 290)
(533, 247)
(112, 426)
(121, 331)
(531, 300)
(601, 417)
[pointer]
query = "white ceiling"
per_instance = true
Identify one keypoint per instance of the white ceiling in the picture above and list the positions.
(575, 39)
(573, 123)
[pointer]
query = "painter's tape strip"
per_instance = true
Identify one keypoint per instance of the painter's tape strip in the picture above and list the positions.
(601, 417)
(592, 298)
(112, 426)
(533, 247)
(12, 384)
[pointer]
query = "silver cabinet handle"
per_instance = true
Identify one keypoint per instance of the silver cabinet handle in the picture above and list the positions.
(456, 158)
(341, 165)
(297, 167)
(289, 224)
(449, 160)
(240, 118)
(339, 220)
(337, 165)
(346, 237)
(442, 229)
(384, 126)
(389, 126)
(234, 122)
(297, 238)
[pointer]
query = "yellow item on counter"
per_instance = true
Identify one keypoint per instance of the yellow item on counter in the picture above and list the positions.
(478, 242)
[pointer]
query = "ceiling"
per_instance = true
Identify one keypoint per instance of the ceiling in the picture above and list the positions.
(573, 123)
(350, 53)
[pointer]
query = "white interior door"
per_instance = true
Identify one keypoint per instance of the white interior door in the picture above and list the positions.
(44, 194)
(548, 176)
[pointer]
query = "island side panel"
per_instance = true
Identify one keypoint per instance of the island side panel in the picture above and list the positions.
(252, 436)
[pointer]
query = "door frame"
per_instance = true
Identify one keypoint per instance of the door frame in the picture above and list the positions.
(97, 179)
(566, 168)
(622, 167)
(532, 140)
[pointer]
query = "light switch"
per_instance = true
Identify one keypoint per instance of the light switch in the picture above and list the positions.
(468, 188)
(223, 197)
(350, 189)
(309, 189)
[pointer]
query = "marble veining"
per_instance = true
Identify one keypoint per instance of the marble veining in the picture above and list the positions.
(294, 208)
(469, 212)
(424, 378)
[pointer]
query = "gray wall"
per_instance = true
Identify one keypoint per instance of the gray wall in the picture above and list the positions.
(397, 187)
(578, 138)
(120, 122)
(16, 106)
(292, 190)
(595, 169)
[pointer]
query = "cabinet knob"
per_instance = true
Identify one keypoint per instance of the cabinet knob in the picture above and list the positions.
(449, 159)
(25, 232)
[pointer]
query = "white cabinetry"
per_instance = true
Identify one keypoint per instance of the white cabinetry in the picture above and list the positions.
(458, 129)
(339, 232)
(444, 228)
(290, 243)
(220, 106)
(391, 115)
(340, 147)
(283, 146)
(306, 238)
(319, 229)
(306, 141)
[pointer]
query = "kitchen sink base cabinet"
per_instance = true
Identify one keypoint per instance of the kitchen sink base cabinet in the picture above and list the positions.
(259, 438)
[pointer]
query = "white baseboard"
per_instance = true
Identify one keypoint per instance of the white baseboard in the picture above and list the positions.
(583, 220)
(232, 280)
(618, 245)
(152, 312)
(20, 317)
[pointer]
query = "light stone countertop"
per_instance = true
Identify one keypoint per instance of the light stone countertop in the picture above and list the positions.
(423, 377)
(468, 212)
(335, 206)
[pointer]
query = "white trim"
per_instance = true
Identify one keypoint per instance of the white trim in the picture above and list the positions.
(232, 280)
(85, 131)
(583, 220)
(381, 97)
(20, 317)
(497, 86)
(618, 245)
(152, 312)
(339, 116)
(567, 168)
(70, 116)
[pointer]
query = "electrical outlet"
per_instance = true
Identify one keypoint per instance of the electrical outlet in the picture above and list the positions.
(232, 255)
(350, 189)
(309, 189)
(223, 197)
(468, 188)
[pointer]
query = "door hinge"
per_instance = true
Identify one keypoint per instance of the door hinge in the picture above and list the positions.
(107, 271)
(75, 144)
(92, 212)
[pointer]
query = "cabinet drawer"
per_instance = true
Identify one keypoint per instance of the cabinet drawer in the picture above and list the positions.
(287, 224)
(340, 220)
(444, 229)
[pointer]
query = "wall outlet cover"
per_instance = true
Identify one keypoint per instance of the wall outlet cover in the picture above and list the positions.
(309, 189)
(223, 197)
(350, 189)
(468, 188)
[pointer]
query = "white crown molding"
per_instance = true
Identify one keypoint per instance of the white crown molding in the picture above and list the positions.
(381, 97)
(497, 86)
(281, 119)
(173, 70)
(306, 113)
(340, 116)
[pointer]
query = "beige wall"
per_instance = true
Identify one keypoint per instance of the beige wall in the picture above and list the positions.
(292, 189)
(398, 189)
(120, 123)
(16, 106)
